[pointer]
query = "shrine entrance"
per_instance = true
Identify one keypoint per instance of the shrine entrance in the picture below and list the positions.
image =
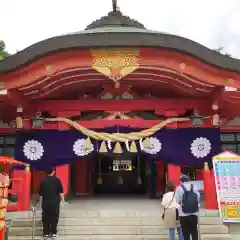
(119, 175)
(108, 174)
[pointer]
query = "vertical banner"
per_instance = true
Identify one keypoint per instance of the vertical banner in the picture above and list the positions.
(227, 178)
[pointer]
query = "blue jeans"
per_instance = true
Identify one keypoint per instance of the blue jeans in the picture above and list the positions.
(172, 233)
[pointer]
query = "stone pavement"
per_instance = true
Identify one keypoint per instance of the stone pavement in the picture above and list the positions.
(114, 218)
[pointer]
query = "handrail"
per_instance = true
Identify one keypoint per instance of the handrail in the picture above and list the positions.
(34, 219)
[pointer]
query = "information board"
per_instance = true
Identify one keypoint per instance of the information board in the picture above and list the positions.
(227, 178)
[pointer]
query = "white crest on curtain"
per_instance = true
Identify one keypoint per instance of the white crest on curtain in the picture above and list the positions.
(156, 146)
(200, 147)
(33, 150)
(78, 148)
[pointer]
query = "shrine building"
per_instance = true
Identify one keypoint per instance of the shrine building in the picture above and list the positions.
(97, 103)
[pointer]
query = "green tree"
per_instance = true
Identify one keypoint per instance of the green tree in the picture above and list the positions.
(3, 52)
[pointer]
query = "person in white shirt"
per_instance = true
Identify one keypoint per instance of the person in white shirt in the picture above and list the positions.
(170, 215)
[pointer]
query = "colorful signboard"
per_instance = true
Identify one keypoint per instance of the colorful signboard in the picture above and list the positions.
(227, 178)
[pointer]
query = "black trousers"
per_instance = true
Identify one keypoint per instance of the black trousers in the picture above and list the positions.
(189, 225)
(151, 186)
(50, 217)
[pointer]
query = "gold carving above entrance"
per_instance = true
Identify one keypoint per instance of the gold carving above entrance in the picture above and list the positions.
(115, 63)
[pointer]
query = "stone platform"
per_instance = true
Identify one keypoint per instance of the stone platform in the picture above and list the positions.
(114, 218)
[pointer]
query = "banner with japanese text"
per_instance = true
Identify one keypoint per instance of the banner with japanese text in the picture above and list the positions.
(227, 178)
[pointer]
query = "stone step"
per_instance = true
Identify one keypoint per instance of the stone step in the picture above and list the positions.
(125, 237)
(114, 230)
(75, 213)
(113, 221)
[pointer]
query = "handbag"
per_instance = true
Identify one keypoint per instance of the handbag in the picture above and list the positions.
(163, 215)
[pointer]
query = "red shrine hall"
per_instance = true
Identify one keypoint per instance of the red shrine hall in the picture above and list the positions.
(91, 102)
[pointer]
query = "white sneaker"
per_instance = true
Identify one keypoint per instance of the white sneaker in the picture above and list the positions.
(54, 236)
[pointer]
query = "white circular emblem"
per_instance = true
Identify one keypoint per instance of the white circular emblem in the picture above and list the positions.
(33, 150)
(156, 146)
(200, 147)
(78, 148)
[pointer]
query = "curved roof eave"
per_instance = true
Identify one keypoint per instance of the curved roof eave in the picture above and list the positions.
(119, 38)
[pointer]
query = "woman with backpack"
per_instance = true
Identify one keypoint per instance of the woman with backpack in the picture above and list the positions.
(170, 215)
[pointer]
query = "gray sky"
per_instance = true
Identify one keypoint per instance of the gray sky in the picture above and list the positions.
(213, 23)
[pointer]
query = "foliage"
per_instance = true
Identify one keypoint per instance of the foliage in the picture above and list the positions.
(3, 52)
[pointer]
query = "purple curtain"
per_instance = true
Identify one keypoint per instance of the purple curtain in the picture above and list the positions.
(175, 146)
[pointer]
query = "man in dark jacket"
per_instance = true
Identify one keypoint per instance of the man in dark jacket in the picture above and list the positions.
(51, 191)
(151, 176)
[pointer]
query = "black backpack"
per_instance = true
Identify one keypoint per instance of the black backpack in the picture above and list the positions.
(189, 200)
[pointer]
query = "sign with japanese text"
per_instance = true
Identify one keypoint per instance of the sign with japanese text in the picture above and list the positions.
(227, 178)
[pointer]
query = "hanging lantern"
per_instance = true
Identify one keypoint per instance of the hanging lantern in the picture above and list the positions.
(37, 121)
(118, 148)
(103, 148)
(19, 122)
(216, 120)
(133, 147)
(215, 106)
(197, 119)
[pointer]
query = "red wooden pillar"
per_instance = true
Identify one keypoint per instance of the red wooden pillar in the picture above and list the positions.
(209, 188)
(2, 233)
(174, 173)
(199, 175)
(90, 187)
(37, 177)
(6, 169)
(27, 188)
(62, 172)
(24, 188)
(160, 177)
(82, 176)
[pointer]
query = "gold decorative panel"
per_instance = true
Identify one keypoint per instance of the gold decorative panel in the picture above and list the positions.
(115, 63)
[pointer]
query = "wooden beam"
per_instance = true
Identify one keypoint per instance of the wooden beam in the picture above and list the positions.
(16, 98)
(124, 105)
(230, 110)
(219, 95)
(99, 124)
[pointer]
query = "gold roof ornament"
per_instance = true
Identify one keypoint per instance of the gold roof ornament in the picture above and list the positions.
(115, 63)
